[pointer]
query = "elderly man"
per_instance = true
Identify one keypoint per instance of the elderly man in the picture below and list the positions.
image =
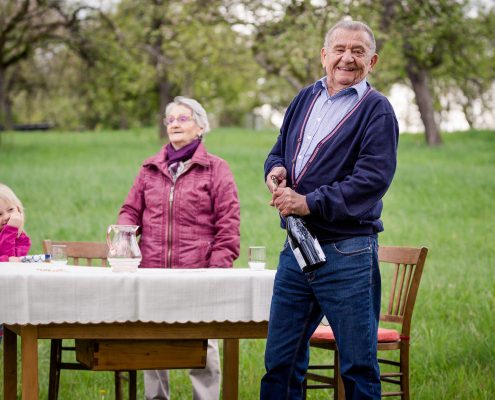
(334, 160)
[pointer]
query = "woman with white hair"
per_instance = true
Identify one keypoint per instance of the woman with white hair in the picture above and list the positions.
(185, 202)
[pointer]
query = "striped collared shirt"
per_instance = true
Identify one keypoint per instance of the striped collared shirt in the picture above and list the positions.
(327, 112)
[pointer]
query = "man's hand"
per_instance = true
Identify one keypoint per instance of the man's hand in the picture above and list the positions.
(281, 174)
(289, 202)
(15, 219)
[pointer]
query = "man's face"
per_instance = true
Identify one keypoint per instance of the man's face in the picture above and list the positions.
(347, 59)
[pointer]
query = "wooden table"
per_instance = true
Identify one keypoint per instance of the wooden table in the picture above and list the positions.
(230, 330)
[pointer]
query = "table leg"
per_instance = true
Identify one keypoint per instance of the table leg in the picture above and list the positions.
(9, 364)
(29, 346)
(230, 387)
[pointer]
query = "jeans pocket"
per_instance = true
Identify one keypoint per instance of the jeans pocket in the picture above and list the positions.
(353, 246)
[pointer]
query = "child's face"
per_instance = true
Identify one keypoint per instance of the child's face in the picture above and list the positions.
(6, 210)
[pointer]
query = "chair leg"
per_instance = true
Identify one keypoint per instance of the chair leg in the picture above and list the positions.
(338, 391)
(304, 388)
(55, 360)
(132, 385)
(404, 368)
(119, 395)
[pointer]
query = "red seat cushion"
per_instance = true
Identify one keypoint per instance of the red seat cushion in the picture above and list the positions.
(325, 334)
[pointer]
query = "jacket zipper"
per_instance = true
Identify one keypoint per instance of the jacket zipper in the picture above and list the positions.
(170, 206)
(171, 201)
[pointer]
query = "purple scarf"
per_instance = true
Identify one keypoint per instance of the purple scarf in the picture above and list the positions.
(183, 154)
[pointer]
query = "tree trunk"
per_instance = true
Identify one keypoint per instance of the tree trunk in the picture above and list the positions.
(5, 109)
(158, 60)
(467, 109)
(165, 95)
(419, 81)
(123, 121)
(188, 85)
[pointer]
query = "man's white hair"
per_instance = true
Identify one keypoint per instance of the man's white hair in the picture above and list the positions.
(351, 26)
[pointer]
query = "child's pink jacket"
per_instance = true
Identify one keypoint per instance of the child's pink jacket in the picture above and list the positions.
(11, 245)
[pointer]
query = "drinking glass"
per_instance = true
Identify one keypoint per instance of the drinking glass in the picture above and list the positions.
(257, 258)
(59, 254)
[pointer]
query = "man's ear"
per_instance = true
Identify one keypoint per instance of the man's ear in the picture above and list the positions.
(323, 53)
(373, 61)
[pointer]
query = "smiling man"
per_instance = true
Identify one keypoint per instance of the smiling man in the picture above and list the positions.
(334, 160)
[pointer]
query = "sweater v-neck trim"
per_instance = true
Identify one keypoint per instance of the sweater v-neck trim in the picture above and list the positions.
(330, 135)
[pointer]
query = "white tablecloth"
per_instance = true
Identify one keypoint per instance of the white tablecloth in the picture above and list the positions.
(37, 294)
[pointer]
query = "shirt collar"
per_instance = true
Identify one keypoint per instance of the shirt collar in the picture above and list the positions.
(359, 88)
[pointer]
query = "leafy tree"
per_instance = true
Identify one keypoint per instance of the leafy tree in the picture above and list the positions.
(109, 88)
(23, 24)
(468, 75)
(442, 47)
(120, 68)
(419, 42)
(29, 29)
(85, 68)
(189, 49)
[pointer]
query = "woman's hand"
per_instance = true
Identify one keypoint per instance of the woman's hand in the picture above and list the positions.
(16, 219)
(14, 259)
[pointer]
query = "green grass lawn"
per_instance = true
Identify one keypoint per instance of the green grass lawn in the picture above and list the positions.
(72, 185)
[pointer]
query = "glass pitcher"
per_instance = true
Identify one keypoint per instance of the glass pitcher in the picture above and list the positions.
(123, 249)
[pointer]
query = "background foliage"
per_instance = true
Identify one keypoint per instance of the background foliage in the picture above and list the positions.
(77, 66)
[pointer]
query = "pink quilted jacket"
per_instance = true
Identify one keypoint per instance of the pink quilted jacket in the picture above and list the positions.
(192, 223)
(12, 245)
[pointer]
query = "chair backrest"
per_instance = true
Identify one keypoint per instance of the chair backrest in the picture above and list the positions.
(81, 251)
(407, 263)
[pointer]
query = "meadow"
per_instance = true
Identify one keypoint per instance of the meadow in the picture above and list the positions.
(73, 184)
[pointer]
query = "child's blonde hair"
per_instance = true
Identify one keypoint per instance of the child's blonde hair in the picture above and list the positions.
(7, 195)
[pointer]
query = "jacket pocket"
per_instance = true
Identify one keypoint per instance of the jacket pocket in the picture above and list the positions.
(195, 254)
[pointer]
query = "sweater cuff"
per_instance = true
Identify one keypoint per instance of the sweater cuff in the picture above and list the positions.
(276, 164)
(311, 202)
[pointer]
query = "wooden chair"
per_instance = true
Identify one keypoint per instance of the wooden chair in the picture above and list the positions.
(85, 253)
(397, 309)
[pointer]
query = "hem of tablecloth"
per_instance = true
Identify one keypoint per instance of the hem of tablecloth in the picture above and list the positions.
(185, 321)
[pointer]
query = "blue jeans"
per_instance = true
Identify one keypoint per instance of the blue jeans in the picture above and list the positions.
(346, 289)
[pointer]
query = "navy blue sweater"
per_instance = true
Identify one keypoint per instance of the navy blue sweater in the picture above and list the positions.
(350, 170)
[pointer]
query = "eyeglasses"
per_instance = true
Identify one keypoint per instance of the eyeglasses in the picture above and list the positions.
(181, 119)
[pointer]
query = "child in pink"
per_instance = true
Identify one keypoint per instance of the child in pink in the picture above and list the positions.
(14, 243)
